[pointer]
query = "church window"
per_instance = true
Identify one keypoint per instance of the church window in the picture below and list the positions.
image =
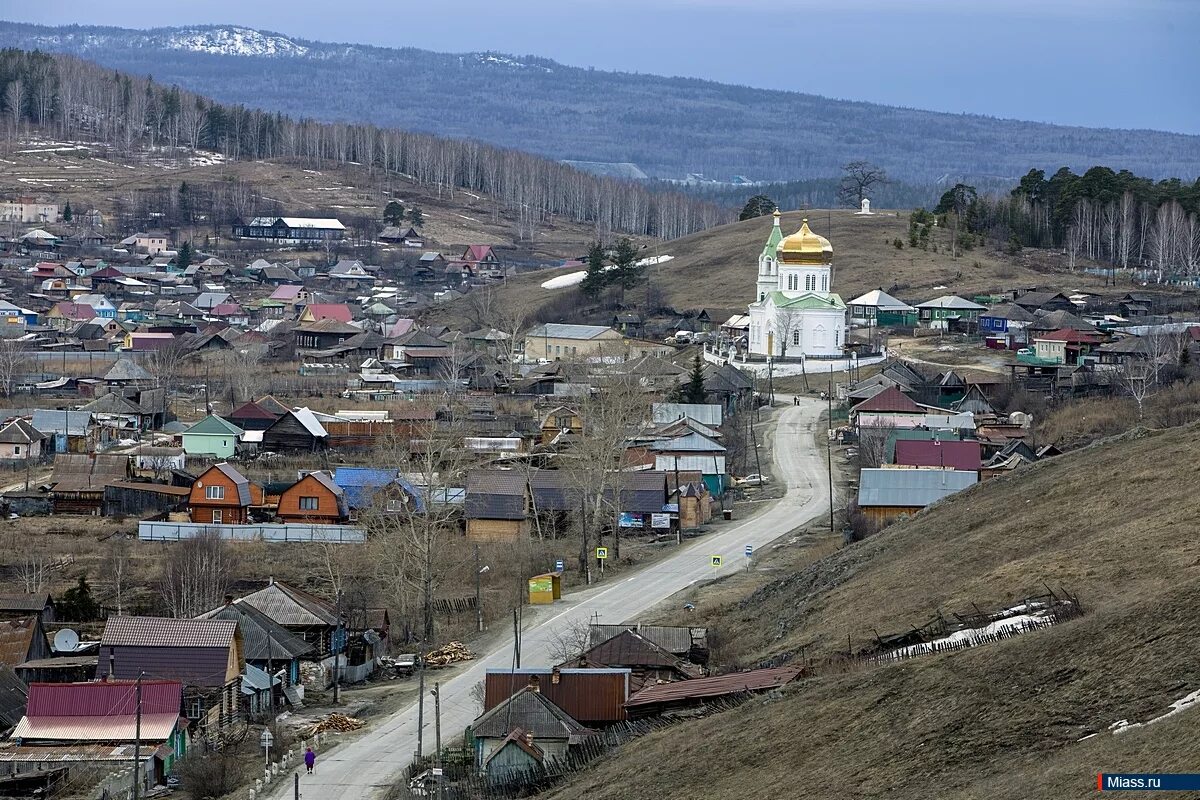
(809, 283)
(824, 283)
(796, 337)
(762, 296)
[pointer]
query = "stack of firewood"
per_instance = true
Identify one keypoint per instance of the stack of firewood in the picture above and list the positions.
(338, 723)
(450, 653)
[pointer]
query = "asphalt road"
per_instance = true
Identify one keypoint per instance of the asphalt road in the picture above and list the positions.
(363, 768)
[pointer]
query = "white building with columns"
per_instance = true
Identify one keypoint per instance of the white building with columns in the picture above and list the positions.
(796, 312)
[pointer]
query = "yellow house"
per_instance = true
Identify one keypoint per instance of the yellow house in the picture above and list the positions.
(560, 420)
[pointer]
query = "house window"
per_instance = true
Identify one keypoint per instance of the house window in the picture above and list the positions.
(195, 708)
(16, 450)
(214, 492)
(308, 503)
(395, 505)
(217, 516)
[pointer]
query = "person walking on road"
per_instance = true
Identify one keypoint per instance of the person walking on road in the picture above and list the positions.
(310, 758)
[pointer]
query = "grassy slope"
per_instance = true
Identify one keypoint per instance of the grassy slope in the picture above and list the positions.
(717, 267)
(90, 179)
(999, 721)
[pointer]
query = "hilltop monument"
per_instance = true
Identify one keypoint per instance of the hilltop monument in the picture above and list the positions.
(795, 312)
(865, 210)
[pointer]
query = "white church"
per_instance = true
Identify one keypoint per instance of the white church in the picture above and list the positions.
(795, 312)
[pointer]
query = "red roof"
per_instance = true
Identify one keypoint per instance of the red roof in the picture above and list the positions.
(226, 309)
(76, 311)
(890, 399)
(477, 252)
(102, 699)
(288, 291)
(150, 341)
(337, 311)
(963, 455)
(252, 410)
(1070, 336)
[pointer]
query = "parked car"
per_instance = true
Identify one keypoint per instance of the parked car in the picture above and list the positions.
(752, 480)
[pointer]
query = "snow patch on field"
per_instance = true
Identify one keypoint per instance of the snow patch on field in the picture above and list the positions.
(1178, 707)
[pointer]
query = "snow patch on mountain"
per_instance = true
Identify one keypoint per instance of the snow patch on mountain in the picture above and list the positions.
(498, 60)
(233, 42)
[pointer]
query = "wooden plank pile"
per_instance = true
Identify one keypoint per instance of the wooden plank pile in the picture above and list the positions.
(450, 653)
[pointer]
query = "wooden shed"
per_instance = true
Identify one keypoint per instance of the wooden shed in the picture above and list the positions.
(545, 588)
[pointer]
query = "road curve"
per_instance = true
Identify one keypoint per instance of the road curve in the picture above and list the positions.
(363, 768)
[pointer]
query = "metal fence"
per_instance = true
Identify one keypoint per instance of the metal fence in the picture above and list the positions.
(270, 532)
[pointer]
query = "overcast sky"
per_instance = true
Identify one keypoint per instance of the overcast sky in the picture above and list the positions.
(1117, 63)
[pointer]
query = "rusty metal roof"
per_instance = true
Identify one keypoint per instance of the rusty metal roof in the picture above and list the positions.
(672, 638)
(591, 696)
(16, 639)
(757, 680)
(291, 607)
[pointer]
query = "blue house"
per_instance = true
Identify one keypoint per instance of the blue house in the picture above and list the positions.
(267, 645)
(1005, 323)
(364, 486)
(101, 304)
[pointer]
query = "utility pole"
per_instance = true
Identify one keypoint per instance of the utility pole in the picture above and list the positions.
(338, 634)
(437, 735)
(516, 638)
(421, 699)
(296, 786)
(829, 452)
(137, 740)
(478, 596)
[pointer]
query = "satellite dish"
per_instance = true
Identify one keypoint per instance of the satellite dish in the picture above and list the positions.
(65, 641)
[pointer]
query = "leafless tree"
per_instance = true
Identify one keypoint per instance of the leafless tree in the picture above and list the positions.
(789, 327)
(1074, 245)
(1125, 224)
(196, 574)
(1142, 373)
(872, 445)
(241, 368)
(166, 365)
(569, 641)
(13, 360)
(116, 567)
(595, 461)
(857, 179)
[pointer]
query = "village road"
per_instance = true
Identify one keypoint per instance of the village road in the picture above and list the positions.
(363, 768)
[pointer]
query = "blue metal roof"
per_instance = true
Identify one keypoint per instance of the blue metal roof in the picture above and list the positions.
(360, 483)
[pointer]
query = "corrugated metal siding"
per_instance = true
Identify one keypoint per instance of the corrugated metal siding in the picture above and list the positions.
(590, 696)
(195, 666)
(103, 699)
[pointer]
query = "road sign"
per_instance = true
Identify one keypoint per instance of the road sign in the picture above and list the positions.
(749, 550)
(558, 565)
(716, 560)
(266, 739)
(601, 553)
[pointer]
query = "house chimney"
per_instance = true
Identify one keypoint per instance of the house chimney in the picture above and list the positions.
(535, 683)
(555, 676)
(529, 738)
(112, 665)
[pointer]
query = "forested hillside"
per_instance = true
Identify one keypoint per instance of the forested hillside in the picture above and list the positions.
(68, 98)
(666, 126)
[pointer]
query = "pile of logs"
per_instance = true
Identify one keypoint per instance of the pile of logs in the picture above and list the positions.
(339, 723)
(450, 653)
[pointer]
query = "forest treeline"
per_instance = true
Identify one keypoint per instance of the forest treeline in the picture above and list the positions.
(70, 98)
(667, 126)
(1102, 215)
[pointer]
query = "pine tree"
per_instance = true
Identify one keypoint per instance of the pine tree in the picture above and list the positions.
(393, 212)
(596, 278)
(757, 206)
(183, 259)
(627, 272)
(68, 214)
(416, 216)
(77, 603)
(693, 390)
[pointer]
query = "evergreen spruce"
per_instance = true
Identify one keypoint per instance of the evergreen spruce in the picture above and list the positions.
(596, 278)
(693, 390)
(68, 214)
(184, 259)
(393, 212)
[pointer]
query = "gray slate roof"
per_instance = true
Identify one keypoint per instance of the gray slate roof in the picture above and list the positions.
(561, 330)
(263, 637)
(495, 494)
(529, 710)
(911, 488)
(291, 607)
(49, 420)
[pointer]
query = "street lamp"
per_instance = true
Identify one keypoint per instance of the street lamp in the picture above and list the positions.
(478, 598)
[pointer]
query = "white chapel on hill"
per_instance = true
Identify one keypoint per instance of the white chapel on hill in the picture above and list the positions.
(795, 312)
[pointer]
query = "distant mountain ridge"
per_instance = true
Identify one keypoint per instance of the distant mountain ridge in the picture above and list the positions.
(667, 127)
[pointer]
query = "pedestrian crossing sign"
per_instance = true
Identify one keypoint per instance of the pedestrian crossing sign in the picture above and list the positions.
(601, 553)
(716, 560)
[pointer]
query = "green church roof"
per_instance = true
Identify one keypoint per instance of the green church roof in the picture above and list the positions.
(808, 300)
(773, 240)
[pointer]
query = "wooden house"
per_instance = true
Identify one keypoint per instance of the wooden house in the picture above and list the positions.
(497, 505)
(20, 441)
(78, 480)
(884, 495)
(560, 421)
(268, 645)
(315, 498)
(206, 656)
(310, 618)
(221, 496)
(22, 640)
(595, 697)
(251, 416)
(524, 713)
(648, 662)
(20, 604)
(211, 436)
(297, 430)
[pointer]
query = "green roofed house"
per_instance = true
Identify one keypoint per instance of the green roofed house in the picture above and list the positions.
(211, 436)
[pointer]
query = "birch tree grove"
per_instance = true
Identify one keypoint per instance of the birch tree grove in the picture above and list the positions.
(77, 99)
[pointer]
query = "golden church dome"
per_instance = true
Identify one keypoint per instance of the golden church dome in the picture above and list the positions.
(804, 247)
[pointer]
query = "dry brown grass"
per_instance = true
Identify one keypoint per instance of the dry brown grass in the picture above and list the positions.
(717, 267)
(96, 179)
(1085, 421)
(1112, 523)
